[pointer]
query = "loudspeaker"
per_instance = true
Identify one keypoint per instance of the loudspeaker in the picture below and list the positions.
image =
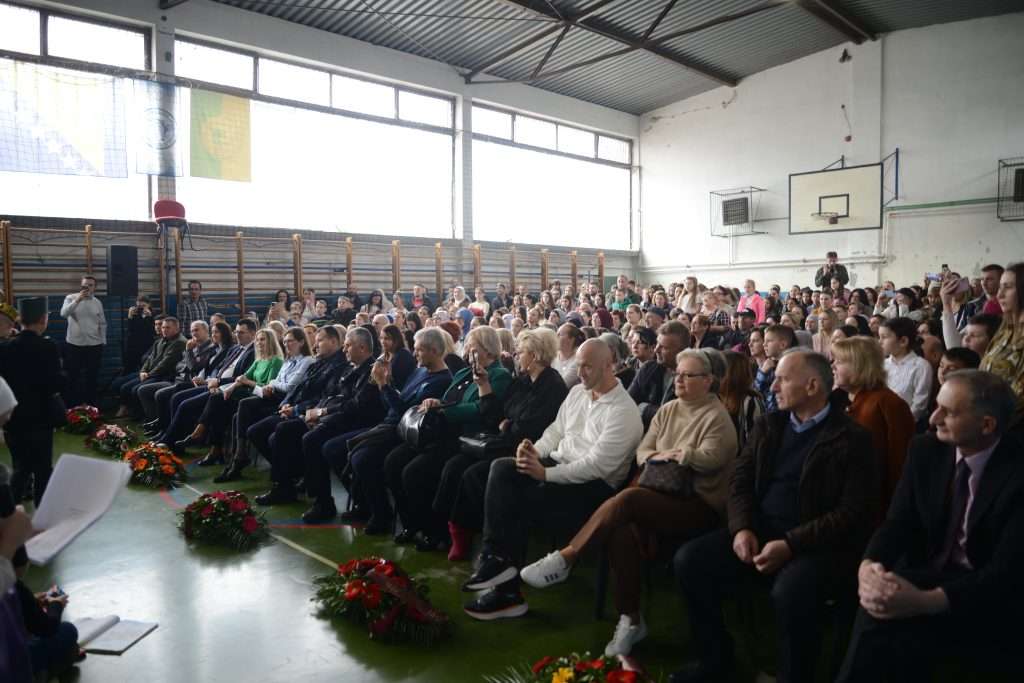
(122, 271)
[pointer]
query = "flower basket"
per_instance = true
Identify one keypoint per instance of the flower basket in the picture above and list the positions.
(81, 419)
(155, 466)
(573, 668)
(224, 518)
(376, 592)
(111, 439)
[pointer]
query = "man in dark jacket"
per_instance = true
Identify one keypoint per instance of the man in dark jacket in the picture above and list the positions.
(199, 350)
(355, 405)
(654, 383)
(943, 574)
(31, 365)
(275, 436)
(802, 502)
(158, 366)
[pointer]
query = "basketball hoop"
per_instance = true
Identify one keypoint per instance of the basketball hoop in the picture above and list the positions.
(831, 216)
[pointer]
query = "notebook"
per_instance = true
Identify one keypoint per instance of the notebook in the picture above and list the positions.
(111, 635)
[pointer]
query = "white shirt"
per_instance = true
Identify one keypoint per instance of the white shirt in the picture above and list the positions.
(87, 326)
(911, 377)
(592, 439)
(568, 369)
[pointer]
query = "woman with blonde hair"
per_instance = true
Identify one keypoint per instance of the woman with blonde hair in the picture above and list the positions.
(859, 369)
(827, 324)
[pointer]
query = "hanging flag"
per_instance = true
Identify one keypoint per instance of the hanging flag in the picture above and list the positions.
(156, 123)
(220, 136)
(60, 121)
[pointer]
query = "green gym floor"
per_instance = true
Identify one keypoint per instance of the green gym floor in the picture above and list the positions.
(227, 616)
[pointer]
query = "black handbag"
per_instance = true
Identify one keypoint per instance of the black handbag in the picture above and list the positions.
(421, 429)
(668, 477)
(484, 446)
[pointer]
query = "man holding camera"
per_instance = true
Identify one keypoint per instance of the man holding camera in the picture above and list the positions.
(86, 336)
(831, 269)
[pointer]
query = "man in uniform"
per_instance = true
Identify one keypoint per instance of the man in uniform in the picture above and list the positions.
(31, 365)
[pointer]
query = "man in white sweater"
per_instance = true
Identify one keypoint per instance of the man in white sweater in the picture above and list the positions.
(582, 458)
(86, 336)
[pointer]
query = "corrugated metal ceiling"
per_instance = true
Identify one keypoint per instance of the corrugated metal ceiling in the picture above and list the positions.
(722, 41)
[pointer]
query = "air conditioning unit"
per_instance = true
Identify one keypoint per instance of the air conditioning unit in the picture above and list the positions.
(734, 211)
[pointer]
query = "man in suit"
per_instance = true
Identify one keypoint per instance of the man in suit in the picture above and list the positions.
(654, 383)
(944, 574)
(31, 365)
(234, 366)
(158, 366)
(801, 507)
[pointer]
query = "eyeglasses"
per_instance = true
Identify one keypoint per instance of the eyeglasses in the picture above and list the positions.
(691, 375)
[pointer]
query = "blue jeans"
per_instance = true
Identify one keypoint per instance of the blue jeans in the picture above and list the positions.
(56, 653)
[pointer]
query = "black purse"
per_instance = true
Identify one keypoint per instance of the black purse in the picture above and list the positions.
(668, 477)
(421, 429)
(484, 446)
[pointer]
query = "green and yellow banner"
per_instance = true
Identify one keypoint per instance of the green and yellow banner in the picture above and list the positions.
(221, 142)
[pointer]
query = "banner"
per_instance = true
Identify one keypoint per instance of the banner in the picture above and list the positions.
(220, 137)
(156, 120)
(58, 121)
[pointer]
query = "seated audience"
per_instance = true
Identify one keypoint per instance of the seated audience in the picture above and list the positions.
(943, 573)
(743, 403)
(752, 301)
(581, 460)
(52, 643)
(199, 351)
(801, 507)
(395, 353)
(908, 374)
(570, 337)
(1005, 354)
(957, 359)
(777, 340)
(158, 366)
(693, 431)
(654, 381)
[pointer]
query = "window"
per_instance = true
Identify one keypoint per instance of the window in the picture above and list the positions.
(19, 29)
(497, 124)
(90, 42)
(287, 81)
(611, 149)
(575, 141)
(432, 111)
(538, 197)
(530, 131)
(202, 63)
(363, 97)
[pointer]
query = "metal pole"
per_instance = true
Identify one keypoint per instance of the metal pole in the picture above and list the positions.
(5, 235)
(438, 269)
(573, 269)
(543, 269)
(348, 263)
(240, 262)
(477, 266)
(512, 270)
(88, 250)
(161, 248)
(600, 270)
(177, 265)
(396, 266)
(297, 263)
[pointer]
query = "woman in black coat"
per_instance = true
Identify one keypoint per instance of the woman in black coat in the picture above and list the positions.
(529, 405)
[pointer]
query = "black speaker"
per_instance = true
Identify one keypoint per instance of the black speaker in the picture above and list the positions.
(122, 271)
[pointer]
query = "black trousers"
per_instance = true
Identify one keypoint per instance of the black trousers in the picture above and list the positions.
(251, 410)
(82, 364)
(460, 493)
(412, 476)
(514, 502)
(31, 455)
(317, 466)
(259, 434)
(165, 398)
(367, 461)
(286, 463)
(708, 571)
(218, 414)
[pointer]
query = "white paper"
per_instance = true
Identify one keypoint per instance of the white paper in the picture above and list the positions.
(91, 627)
(120, 637)
(79, 492)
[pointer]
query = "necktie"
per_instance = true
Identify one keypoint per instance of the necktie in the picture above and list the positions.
(957, 509)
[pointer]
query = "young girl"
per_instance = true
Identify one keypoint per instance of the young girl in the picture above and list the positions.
(908, 374)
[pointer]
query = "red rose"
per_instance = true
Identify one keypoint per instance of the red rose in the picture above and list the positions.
(218, 495)
(595, 665)
(206, 511)
(540, 664)
(371, 596)
(238, 505)
(250, 524)
(348, 567)
(621, 676)
(354, 589)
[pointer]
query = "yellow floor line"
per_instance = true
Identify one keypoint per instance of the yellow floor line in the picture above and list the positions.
(288, 542)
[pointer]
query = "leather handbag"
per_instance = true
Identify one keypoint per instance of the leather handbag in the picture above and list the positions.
(668, 477)
(484, 446)
(421, 429)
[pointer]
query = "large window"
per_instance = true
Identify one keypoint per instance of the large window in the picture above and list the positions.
(213, 65)
(545, 182)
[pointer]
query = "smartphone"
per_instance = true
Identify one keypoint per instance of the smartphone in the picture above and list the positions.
(933, 277)
(962, 286)
(889, 293)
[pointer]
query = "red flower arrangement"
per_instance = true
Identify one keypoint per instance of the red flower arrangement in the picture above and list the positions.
(155, 466)
(81, 419)
(113, 440)
(573, 668)
(376, 592)
(226, 518)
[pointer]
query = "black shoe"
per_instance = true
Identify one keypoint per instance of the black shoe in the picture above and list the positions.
(180, 446)
(378, 527)
(277, 496)
(232, 472)
(493, 571)
(355, 516)
(405, 537)
(496, 604)
(211, 459)
(432, 544)
(151, 433)
(322, 512)
(698, 672)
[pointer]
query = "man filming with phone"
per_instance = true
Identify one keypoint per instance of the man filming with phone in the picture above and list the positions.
(831, 269)
(86, 336)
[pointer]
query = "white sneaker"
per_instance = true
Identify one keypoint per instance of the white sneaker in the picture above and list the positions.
(547, 571)
(627, 634)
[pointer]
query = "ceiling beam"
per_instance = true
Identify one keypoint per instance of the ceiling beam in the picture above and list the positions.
(837, 19)
(661, 15)
(551, 51)
(171, 4)
(615, 33)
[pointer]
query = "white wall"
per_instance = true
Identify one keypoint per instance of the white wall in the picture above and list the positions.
(949, 96)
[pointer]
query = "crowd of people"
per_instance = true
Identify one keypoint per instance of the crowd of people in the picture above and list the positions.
(821, 444)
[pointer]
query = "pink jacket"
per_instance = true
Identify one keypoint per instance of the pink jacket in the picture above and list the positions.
(755, 303)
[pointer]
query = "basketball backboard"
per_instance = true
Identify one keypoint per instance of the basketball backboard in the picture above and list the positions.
(836, 199)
